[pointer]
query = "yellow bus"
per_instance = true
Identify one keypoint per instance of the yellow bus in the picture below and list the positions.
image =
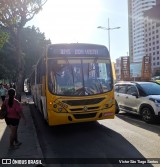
(74, 83)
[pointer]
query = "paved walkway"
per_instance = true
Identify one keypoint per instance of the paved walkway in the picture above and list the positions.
(30, 147)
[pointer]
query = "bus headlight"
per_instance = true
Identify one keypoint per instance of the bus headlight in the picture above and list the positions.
(55, 106)
(60, 109)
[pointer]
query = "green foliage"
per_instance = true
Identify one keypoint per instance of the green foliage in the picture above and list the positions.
(14, 14)
(8, 61)
(3, 38)
(33, 44)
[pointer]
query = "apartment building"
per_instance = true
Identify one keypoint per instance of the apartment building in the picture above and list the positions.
(136, 9)
(152, 37)
(118, 69)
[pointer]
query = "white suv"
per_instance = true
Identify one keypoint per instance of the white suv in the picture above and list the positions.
(141, 98)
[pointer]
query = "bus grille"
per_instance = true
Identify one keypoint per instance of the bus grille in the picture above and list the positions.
(81, 116)
(83, 102)
(82, 109)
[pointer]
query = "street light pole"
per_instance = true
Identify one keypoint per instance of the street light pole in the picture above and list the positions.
(108, 36)
(108, 29)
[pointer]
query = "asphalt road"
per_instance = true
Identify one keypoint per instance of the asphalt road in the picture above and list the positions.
(124, 137)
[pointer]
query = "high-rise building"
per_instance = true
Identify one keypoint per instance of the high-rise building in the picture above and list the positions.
(118, 69)
(152, 37)
(136, 9)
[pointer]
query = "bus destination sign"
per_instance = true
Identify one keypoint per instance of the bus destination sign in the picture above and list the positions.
(77, 51)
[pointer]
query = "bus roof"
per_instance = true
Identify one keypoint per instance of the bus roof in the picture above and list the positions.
(77, 49)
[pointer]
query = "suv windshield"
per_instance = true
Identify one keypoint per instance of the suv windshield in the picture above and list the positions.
(151, 88)
(74, 77)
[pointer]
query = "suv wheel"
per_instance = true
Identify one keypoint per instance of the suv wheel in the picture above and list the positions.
(147, 114)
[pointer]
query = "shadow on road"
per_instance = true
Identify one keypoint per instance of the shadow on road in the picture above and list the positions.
(4, 141)
(83, 140)
(137, 121)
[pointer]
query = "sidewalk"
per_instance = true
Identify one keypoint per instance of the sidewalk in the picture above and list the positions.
(30, 147)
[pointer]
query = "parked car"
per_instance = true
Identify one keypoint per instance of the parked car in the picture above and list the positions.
(141, 98)
(156, 79)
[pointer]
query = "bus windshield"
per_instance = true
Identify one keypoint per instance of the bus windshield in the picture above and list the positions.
(79, 77)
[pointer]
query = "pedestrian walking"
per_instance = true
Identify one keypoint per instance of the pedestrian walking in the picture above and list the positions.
(14, 110)
(3, 92)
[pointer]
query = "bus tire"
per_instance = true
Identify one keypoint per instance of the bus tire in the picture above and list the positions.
(41, 109)
(46, 121)
(116, 108)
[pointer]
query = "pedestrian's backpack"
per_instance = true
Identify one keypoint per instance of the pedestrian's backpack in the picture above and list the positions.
(3, 112)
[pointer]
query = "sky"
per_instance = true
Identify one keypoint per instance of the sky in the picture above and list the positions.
(72, 21)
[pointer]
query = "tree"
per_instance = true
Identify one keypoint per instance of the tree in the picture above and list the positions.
(33, 43)
(3, 38)
(14, 14)
(8, 65)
